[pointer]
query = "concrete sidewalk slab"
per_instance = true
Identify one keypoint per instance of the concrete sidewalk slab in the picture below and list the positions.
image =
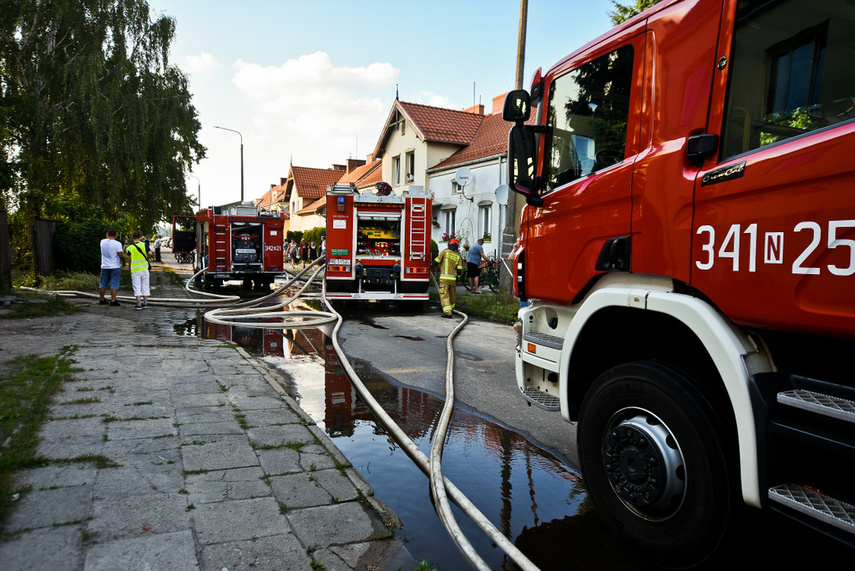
(170, 452)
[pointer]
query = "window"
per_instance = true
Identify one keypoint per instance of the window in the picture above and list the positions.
(396, 170)
(802, 50)
(588, 110)
(484, 222)
(456, 188)
(411, 167)
(448, 219)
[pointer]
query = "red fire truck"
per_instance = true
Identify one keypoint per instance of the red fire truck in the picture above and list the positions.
(238, 242)
(688, 249)
(378, 244)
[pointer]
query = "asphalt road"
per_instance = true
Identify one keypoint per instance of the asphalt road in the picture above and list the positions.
(409, 348)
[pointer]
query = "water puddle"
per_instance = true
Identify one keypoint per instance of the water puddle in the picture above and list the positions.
(533, 497)
(529, 494)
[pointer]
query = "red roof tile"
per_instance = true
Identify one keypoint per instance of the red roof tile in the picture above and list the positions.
(267, 199)
(359, 173)
(433, 124)
(442, 125)
(314, 206)
(490, 140)
(312, 183)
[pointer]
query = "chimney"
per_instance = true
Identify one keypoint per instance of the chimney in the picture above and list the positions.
(353, 164)
(499, 102)
(475, 109)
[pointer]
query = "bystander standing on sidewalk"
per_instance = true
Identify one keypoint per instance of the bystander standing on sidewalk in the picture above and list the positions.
(112, 259)
(473, 265)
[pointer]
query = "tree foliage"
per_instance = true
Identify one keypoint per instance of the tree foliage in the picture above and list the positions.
(624, 12)
(92, 112)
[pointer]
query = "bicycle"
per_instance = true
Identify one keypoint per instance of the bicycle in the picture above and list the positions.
(490, 275)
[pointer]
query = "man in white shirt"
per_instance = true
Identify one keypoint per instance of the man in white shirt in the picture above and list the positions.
(112, 259)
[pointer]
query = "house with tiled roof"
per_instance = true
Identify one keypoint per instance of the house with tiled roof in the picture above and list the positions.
(364, 176)
(304, 188)
(468, 208)
(416, 137)
(274, 199)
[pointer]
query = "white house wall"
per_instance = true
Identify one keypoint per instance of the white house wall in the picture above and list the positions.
(486, 178)
(426, 156)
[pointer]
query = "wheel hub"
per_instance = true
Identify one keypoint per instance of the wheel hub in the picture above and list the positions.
(645, 466)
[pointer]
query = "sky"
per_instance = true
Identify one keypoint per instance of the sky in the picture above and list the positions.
(311, 83)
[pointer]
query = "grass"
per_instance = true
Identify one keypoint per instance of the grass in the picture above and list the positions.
(25, 395)
(491, 306)
(38, 305)
(75, 281)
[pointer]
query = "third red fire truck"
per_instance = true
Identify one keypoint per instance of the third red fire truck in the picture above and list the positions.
(378, 244)
(688, 248)
(233, 242)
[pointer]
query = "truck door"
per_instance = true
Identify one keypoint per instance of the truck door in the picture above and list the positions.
(590, 144)
(774, 226)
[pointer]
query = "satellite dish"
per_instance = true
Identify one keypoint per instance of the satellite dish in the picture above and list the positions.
(502, 194)
(463, 176)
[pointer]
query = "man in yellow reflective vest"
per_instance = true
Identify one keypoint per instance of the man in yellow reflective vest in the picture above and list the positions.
(449, 264)
(138, 261)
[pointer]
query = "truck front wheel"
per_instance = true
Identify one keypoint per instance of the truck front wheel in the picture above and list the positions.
(653, 464)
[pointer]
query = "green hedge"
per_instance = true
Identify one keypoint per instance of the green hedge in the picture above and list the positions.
(77, 245)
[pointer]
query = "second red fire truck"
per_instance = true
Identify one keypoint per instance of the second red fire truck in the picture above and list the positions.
(378, 244)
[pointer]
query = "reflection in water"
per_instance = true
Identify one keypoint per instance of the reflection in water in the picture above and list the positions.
(529, 494)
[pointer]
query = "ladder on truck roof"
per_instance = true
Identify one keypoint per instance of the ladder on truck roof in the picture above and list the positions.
(417, 229)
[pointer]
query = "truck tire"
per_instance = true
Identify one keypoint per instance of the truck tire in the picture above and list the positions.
(652, 462)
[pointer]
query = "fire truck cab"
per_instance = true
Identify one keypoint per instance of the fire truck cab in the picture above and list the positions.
(688, 249)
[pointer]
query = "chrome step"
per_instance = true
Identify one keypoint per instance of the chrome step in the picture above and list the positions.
(551, 341)
(817, 403)
(818, 506)
(541, 399)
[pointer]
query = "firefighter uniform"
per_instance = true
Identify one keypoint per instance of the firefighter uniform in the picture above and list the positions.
(449, 264)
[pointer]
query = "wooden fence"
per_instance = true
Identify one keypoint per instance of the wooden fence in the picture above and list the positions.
(5, 252)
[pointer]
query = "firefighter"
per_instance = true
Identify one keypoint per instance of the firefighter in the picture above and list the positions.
(449, 264)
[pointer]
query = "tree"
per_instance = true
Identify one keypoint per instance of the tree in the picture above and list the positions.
(622, 12)
(91, 110)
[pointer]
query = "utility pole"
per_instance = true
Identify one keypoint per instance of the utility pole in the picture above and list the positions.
(512, 210)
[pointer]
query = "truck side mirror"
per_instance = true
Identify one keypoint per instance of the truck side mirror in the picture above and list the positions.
(522, 156)
(517, 106)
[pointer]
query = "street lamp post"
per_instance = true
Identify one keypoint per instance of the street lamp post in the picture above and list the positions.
(241, 156)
